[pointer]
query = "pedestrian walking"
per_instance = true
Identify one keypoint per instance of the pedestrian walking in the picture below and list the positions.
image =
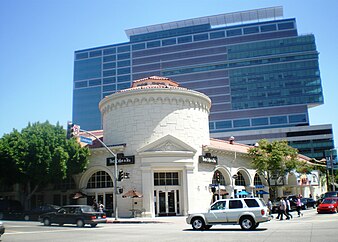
(270, 208)
(95, 205)
(299, 205)
(288, 209)
(282, 209)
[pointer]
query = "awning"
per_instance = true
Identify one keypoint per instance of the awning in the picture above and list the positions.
(243, 193)
(78, 195)
(261, 192)
(132, 194)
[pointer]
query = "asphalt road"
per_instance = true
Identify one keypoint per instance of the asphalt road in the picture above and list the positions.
(310, 227)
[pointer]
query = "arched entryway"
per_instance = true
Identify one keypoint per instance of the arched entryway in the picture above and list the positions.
(220, 184)
(98, 184)
(242, 181)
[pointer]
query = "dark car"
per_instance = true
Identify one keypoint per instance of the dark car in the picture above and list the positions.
(74, 214)
(308, 202)
(2, 228)
(36, 212)
(10, 209)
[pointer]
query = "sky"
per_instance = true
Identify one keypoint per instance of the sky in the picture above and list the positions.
(38, 39)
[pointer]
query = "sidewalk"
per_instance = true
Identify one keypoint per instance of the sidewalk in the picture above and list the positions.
(173, 219)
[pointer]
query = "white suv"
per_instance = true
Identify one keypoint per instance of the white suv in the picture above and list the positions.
(247, 212)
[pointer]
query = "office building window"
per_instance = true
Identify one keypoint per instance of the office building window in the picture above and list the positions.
(166, 42)
(216, 35)
(121, 49)
(109, 51)
(185, 39)
(234, 32)
(241, 123)
(199, 37)
(259, 121)
(140, 46)
(109, 65)
(95, 82)
(123, 56)
(80, 84)
(109, 80)
(95, 53)
(278, 120)
(299, 118)
(268, 28)
(288, 25)
(223, 125)
(80, 56)
(109, 58)
(251, 30)
(153, 44)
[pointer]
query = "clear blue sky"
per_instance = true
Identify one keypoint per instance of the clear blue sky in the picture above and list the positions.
(38, 39)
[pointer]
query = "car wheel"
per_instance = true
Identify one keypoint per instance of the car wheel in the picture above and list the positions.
(198, 223)
(26, 217)
(80, 223)
(46, 222)
(93, 225)
(247, 223)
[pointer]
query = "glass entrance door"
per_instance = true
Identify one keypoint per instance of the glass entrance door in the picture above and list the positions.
(166, 202)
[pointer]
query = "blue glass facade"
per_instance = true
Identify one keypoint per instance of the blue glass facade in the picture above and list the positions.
(258, 75)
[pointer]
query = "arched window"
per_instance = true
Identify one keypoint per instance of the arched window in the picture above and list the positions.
(100, 179)
(221, 178)
(257, 180)
(240, 179)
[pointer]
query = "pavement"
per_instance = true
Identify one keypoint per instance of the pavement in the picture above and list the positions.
(172, 219)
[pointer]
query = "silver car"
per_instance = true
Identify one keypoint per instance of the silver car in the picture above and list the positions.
(247, 212)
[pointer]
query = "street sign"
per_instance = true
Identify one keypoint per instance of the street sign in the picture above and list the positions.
(86, 140)
(125, 160)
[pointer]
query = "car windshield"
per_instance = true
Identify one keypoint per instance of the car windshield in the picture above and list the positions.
(87, 209)
(329, 201)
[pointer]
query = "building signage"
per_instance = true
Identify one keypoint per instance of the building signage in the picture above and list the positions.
(208, 159)
(121, 160)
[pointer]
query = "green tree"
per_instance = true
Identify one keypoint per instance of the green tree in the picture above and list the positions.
(38, 155)
(273, 161)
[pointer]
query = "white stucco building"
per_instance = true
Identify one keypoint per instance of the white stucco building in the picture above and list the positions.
(160, 132)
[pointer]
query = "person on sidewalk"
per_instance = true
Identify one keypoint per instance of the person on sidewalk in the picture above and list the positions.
(299, 205)
(282, 209)
(288, 209)
(270, 208)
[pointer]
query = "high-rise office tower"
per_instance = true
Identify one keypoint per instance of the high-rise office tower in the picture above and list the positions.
(261, 75)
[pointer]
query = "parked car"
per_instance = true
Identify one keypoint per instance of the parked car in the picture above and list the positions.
(329, 205)
(36, 212)
(308, 203)
(10, 209)
(74, 214)
(247, 212)
(2, 228)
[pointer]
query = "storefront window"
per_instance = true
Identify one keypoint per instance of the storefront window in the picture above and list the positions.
(240, 180)
(100, 179)
(166, 179)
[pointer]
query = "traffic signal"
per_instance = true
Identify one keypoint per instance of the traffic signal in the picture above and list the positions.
(120, 176)
(72, 130)
(218, 177)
